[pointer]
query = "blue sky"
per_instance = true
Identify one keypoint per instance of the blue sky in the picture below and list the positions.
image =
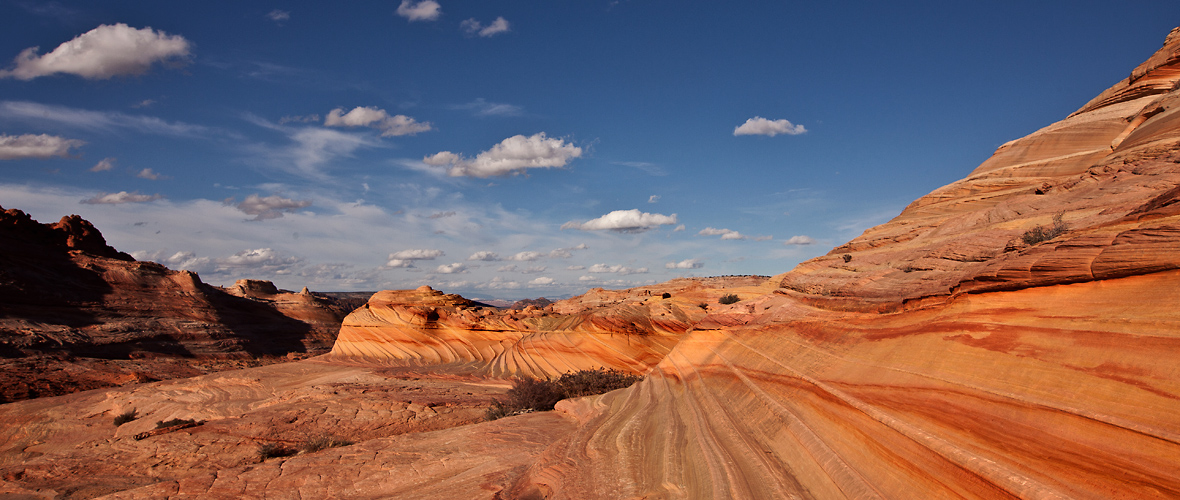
(524, 149)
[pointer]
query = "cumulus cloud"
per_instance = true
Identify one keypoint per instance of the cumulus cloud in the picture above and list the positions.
(525, 256)
(510, 268)
(120, 198)
(513, 155)
(270, 207)
(626, 221)
(417, 254)
(425, 10)
(19, 147)
(575, 268)
(102, 53)
(474, 27)
(481, 107)
(484, 256)
(278, 16)
(685, 264)
(149, 174)
(371, 116)
(455, 268)
(799, 240)
(542, 280)
(604, 268)
(726, 234)
(761, 126)
(678, 228)
(103, 165)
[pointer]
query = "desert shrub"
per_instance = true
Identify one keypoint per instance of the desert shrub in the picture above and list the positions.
(529, 394)
(728, 299)
(322, 442)
(597, 381)
(1045, 233)
(125, 417)
(175, 421)
(274, 450)
(666, 295)
(703, 305)
(847, 257)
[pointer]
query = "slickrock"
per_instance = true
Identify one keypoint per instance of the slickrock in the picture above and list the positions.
(76, 314)
(629, 330)
(940, 355)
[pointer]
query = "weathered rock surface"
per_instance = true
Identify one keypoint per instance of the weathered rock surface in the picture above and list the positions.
(76, 314)
(629, 330)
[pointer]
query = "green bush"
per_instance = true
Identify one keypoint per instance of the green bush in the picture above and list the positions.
(728, 299)
(125, 417)
(1045, 233)
(529, 394)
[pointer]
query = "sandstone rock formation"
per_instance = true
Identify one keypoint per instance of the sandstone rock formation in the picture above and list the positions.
(953, 352)
(629, 330)
(76, 314)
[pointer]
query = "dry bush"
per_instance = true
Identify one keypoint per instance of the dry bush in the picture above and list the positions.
(529, 394)
(274, 450)
(125, 417)
(1045, 233)
(728, 299)
(175, 421)
(322, 442)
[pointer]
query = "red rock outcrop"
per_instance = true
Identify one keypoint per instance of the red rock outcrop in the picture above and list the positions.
(76, 314)
(629, 330)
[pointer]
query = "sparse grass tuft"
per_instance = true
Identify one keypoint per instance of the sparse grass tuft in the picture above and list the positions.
(322, 442)
(125, 417)
(1045, 233)
(728, 299)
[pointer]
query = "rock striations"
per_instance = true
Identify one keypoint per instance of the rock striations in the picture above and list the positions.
(76, 314)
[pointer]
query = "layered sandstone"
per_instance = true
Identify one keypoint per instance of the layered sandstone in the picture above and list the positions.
(628, 330)
(76, 314)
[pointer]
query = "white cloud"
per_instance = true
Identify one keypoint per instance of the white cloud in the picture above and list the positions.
(482, 107)
(149, 174)
(761, 126)
(678, 228)
(455, 268)
(484, 256)
(603, 268)
(102, 53)
(146, 103)
(685, 264)
(526, 256)
(542, 280)
(96, 121)
(510, 268)
(534, 269)
(627, 221)
(425, 10)
(726, 234)
(799, 240)
(278, 16)
(18, 147)
(103, 165)
(270, 207)
(653, 198)
(513, 155)
(417, 254)
(586, 278)
(474, 27)
(575, 268)
(262, 259)
(371, 116)
(121, 197)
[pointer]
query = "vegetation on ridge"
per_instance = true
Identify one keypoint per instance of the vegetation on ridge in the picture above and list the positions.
(529, 394)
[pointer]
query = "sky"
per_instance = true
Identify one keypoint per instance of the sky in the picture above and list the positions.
(528, 148)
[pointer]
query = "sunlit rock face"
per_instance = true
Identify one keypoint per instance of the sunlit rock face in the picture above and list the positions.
(629, 330)
(939, 355)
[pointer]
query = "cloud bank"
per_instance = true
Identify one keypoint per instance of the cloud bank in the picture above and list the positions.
(120, 198)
